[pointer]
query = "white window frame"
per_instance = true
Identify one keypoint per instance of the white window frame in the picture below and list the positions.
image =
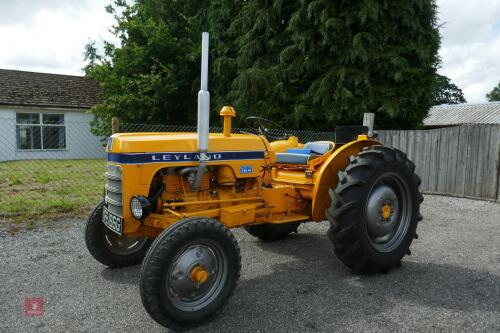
(41, 125)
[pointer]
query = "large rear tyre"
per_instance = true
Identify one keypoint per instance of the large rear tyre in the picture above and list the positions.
(109, 248)
(189, 272)
(374, 210)
(271, 232)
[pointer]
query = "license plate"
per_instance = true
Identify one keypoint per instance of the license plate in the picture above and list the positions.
(112, 221)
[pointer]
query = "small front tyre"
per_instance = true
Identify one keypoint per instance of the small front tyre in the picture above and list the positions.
(109, 248)
(189, 272)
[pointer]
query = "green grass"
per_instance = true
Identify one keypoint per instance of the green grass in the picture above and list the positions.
(46, 190)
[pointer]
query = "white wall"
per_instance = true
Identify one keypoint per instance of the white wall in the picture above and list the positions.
(80, 142)
(7, 134)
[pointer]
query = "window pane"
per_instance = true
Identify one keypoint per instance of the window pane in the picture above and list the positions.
(28, 118)
(54, 137)
(28, 137)
(49, 118)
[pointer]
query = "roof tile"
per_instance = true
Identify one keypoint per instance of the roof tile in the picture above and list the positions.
(43, 89)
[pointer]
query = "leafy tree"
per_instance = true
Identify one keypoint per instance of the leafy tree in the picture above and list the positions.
(152, 76)
(494, 95)
(447, 92)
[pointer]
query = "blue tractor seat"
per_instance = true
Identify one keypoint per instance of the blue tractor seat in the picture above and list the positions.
(303, 156)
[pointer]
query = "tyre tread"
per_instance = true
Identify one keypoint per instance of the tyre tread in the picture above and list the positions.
(149, 279)
(96, 247)
(344, 231)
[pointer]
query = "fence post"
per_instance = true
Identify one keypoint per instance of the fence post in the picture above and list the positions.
(369, 120)
(115, 125)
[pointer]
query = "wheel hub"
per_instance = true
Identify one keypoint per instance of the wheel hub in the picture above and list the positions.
(382, 213)
(199, 275)
(386, 210)
(194, 276)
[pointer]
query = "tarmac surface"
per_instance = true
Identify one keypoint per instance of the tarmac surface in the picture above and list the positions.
(450, 283)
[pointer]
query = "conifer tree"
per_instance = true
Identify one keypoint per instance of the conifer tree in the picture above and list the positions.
(318, 63)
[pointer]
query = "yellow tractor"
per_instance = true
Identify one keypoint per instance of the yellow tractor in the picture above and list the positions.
(172, 198)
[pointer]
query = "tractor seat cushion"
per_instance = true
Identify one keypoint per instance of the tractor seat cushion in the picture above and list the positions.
(319, 148)
(292, 158)
(302, 156)
(299, 151)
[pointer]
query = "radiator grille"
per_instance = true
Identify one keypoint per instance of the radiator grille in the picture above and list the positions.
(113, 188)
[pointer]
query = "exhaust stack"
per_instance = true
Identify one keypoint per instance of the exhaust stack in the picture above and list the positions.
(203, 99)
(203, 112)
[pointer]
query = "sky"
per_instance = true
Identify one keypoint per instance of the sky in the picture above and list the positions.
(50, 35)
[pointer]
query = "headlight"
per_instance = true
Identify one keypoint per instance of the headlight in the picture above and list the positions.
(140, 207)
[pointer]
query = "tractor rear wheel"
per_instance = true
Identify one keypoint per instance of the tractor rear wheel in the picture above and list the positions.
(271, 231)
(109, 248)
(189, 272)
(374, 210)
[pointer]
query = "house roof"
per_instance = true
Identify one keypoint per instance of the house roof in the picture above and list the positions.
(457, 114)
(22, 88)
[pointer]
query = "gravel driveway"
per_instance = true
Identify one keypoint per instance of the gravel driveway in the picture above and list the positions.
(450, 283)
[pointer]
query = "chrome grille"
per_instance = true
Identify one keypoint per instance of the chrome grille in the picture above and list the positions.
(113, 188)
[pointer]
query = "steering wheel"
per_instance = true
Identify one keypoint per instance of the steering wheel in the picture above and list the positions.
(258, 124)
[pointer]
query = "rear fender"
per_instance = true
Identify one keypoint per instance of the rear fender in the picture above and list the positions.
(327, 176)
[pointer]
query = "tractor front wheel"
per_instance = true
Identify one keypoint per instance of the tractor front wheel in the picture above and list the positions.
(109, 248)
(189, 272)
(270, 231)
(375, 210)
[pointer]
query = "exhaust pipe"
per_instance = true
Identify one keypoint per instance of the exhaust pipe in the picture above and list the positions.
(203, 112)
(203, 99)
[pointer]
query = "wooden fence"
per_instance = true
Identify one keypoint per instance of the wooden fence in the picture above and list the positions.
(462, 161)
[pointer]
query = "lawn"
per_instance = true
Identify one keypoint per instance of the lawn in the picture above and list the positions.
(47, 190)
